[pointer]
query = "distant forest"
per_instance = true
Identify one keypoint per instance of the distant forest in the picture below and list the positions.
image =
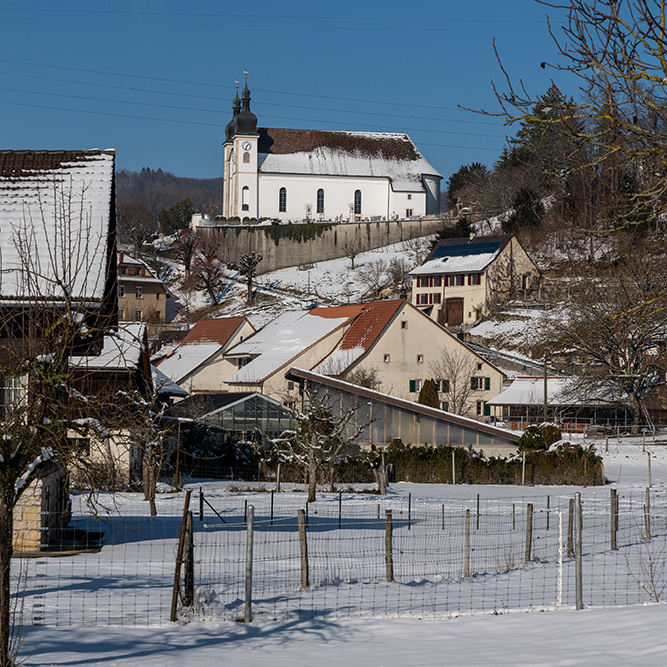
(141, 197)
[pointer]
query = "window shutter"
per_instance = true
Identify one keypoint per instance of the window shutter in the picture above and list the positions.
(487, 384)
(412, 386)
(487, 409)
(445, 406)
(473, 383)
(445, 386)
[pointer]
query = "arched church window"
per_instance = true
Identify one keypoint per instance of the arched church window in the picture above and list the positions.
(320, 201)
(282, 200)
(357, 202)
(245, 198)
(246, 158)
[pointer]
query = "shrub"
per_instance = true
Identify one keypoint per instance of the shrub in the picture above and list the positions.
(551, 433)
(532, 440)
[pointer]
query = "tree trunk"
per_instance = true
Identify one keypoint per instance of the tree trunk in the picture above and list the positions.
(149, 478)
(312, 480)
(6, 550)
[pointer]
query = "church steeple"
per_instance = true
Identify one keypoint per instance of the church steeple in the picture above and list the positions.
(230, 130)
(246, 121)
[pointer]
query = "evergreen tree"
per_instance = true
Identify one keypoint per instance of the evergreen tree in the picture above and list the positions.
(428, 394)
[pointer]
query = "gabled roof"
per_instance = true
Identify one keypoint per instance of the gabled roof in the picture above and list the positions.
(215, 330)
(186, 359)
(560, 391)
(453, 256)
(282, 340)
(56, 215)
(121, 350)
(367, 326)
(319, 152)
(126, 260)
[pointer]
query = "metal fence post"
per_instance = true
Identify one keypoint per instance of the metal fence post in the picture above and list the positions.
(577, 550)
(614, 519)
(247, 610)
(466, 563)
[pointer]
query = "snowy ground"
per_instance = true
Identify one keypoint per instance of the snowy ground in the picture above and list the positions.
(596, 636)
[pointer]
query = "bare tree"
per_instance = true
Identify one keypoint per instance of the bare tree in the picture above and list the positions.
(374, 275)
(318, 441)
(248, 268)
(185, 248)
(351, 249)
(618, 51)
(454, 370)
(209, 272)
(398, 270)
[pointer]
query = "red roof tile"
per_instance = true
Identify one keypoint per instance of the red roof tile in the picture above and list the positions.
(369, 324)
(216, 330)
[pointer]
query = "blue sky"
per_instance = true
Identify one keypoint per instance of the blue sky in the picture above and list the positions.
(154, 79)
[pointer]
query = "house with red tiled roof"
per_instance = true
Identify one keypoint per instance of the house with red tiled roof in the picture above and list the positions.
(198, 363)
(297, 174)
(391, 344)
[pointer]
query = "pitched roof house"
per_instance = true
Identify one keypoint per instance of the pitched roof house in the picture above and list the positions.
(290, 174)
(198, 363)
(141, 295)
(390, 343)
(461, 278)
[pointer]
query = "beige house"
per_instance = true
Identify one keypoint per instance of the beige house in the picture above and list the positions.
(199, 362)
(390, 345)
(462, 278)
(141, 295)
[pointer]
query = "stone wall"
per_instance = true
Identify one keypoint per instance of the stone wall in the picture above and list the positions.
(282, 246)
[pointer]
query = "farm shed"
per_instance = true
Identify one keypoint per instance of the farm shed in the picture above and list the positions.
(392, 418)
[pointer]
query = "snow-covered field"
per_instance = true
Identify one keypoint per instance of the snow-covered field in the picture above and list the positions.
(422, 619)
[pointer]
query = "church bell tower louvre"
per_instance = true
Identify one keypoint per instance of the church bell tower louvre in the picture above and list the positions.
(240, 180)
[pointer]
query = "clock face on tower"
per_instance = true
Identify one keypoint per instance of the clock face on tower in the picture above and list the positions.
(246, 145)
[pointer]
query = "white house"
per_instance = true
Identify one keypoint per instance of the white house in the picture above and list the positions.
(289, 174)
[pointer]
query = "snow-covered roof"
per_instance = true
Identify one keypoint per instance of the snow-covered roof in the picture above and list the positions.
(164, 385)
(121, 350)
(55, 215)
(462, 256)
(280, 341)
(560, 391)
(187, 358)
(325, 153)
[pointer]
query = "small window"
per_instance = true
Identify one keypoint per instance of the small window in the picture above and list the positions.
(420, 358)
(445, 386)
(282, 200)
(137, 314)
(404, 324)
(444, 406)
(121, 290)
(245, 198)
(246, 158)
(139, 292)
(409, 197)
(320, 201)
(480, 408)
(415, 385)
(121, 313)
(479, 367)
(357, 202)
(408, 212)
(290, 385)
(477, 384)
(387, 358)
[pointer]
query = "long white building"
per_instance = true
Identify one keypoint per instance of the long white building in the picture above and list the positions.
(290, 174)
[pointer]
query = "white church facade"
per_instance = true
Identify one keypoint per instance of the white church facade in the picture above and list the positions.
(288, 174)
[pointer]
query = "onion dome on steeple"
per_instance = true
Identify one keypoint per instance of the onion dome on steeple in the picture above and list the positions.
(246, 121)
(230, 130)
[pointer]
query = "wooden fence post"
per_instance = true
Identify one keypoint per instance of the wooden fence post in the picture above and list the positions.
(466, 563)
(647, 515)
(179, 559)
(388, 549)
(303, 544)
(570, 530)
(529, 531)
(189, 563)
(614, 519)
(250, 535)
(453, 466)
(578, 552)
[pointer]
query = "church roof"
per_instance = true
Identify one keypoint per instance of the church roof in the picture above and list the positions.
(326, 153)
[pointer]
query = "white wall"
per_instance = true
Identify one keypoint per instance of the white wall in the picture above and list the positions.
(377, 197)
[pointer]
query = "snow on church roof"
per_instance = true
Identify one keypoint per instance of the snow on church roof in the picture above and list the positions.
(55, 215)
(326, 153)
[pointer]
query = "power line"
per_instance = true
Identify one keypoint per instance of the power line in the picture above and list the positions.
(188, 122)
(225, 100)
(224, 87)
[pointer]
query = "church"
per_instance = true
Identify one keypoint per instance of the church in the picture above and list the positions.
(285, 174)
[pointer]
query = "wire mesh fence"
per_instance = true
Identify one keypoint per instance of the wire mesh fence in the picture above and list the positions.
(447, 557)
